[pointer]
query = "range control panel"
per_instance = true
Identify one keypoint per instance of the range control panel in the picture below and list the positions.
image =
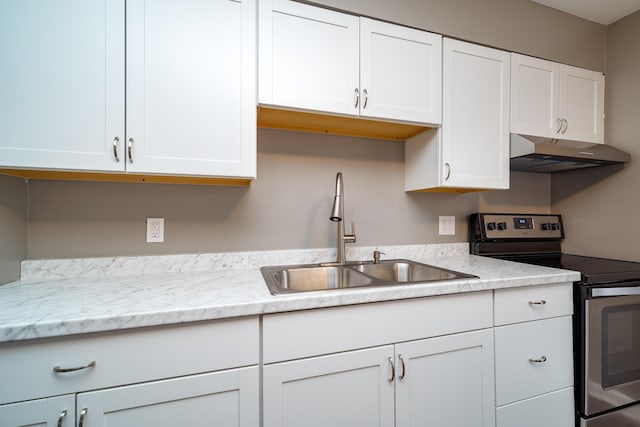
(516, 226)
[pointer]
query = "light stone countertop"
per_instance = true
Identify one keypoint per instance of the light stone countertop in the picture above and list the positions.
(65, 297)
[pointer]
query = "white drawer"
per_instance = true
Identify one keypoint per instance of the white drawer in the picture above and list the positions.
(518, 376)
(549, 410)
(532, 303)
(125, 357)
(288, 336)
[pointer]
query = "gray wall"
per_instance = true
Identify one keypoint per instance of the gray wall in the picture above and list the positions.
(13, 226)
(602, 206)
(287, 206)
(515, 25)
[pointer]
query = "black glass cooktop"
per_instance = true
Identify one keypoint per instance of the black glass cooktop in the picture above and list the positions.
(594, 270)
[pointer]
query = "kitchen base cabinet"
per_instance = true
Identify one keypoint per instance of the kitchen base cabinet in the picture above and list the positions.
(56, 411)
(197, 374)
(341, 390)
(397, 363)
(446, 381)
(227, 398)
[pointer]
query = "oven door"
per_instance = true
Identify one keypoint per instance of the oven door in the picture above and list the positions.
(612, 343)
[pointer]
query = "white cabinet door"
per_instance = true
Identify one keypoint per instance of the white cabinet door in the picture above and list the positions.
(554, 409)
(340, 390)
(446, 381)
(582, 106)
(534, 96)
(61, 83)
(308, 57)
(400, 73)
(556, 101)
(191, 87)
(475, 117)
(52, 412)
(226, 398)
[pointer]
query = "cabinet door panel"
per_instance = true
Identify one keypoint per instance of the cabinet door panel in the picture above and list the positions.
(475, 128)
(52, 412)
(61, 83)
(534, 93)
(401, 72)
(448, 381)
(228, 398)
(549, 410)
(341, 390)
(583, 108)
(308, 57)
(191, 87)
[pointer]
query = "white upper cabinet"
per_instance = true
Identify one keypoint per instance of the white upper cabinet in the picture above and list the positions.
(61, 83)
(471, 150)
(400, 73)
(191, 87)
(556, 101)
(190, 94)
(320, 60)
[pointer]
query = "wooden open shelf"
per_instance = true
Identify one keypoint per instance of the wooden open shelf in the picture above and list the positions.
(272, 118)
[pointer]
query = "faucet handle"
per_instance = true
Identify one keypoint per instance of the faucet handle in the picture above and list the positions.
(351, 238)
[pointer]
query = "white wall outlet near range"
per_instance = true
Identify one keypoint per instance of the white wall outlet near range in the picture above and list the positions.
(447, 225)
(155, 230)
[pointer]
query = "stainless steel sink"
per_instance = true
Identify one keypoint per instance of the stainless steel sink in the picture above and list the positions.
(317, 277)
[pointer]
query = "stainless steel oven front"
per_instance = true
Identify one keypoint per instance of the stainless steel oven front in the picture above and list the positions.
(611, 363)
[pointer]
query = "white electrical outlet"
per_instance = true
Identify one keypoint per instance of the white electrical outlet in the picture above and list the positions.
(155, 230)
(447, 225)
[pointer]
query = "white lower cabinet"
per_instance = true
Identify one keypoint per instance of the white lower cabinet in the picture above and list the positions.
(534, 356)
(443, 379)
(201, 374)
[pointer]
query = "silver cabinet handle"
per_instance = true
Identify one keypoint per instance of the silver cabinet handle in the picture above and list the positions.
(541, 359)
(393, 370)
(60, 370)
(357, 98)
(61, 418)
(83, 415)
(448, 174)
(116, 141)
(404, 369)
(366, 98)
(129, 150)
(566, 126)
(539, 302)
(559, 123)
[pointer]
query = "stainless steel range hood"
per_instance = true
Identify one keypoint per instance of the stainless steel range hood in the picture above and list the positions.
(537, 154)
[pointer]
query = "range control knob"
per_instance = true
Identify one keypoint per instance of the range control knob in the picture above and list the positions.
(502, 226)
(546, 226)
(555, 226)
(491, 226)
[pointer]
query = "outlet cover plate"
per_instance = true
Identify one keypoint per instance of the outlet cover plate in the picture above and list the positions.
(155, 230)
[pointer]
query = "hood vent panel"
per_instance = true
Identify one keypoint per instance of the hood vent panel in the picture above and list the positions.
(545, 155)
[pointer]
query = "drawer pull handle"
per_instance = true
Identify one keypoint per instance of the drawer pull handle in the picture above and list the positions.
(539, 302)
(116, 140)
(61, 418)
(539, 360)
(83, 415)
(404, 369)
(393, 370)
(60, 370)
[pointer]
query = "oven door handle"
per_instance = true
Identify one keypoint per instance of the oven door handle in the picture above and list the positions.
(615, 292)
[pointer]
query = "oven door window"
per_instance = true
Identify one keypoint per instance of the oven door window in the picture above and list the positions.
(620, 345)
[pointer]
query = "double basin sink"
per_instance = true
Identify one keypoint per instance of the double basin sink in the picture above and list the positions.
(317, 277)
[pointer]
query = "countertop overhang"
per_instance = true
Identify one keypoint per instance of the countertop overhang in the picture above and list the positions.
(68, 297)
